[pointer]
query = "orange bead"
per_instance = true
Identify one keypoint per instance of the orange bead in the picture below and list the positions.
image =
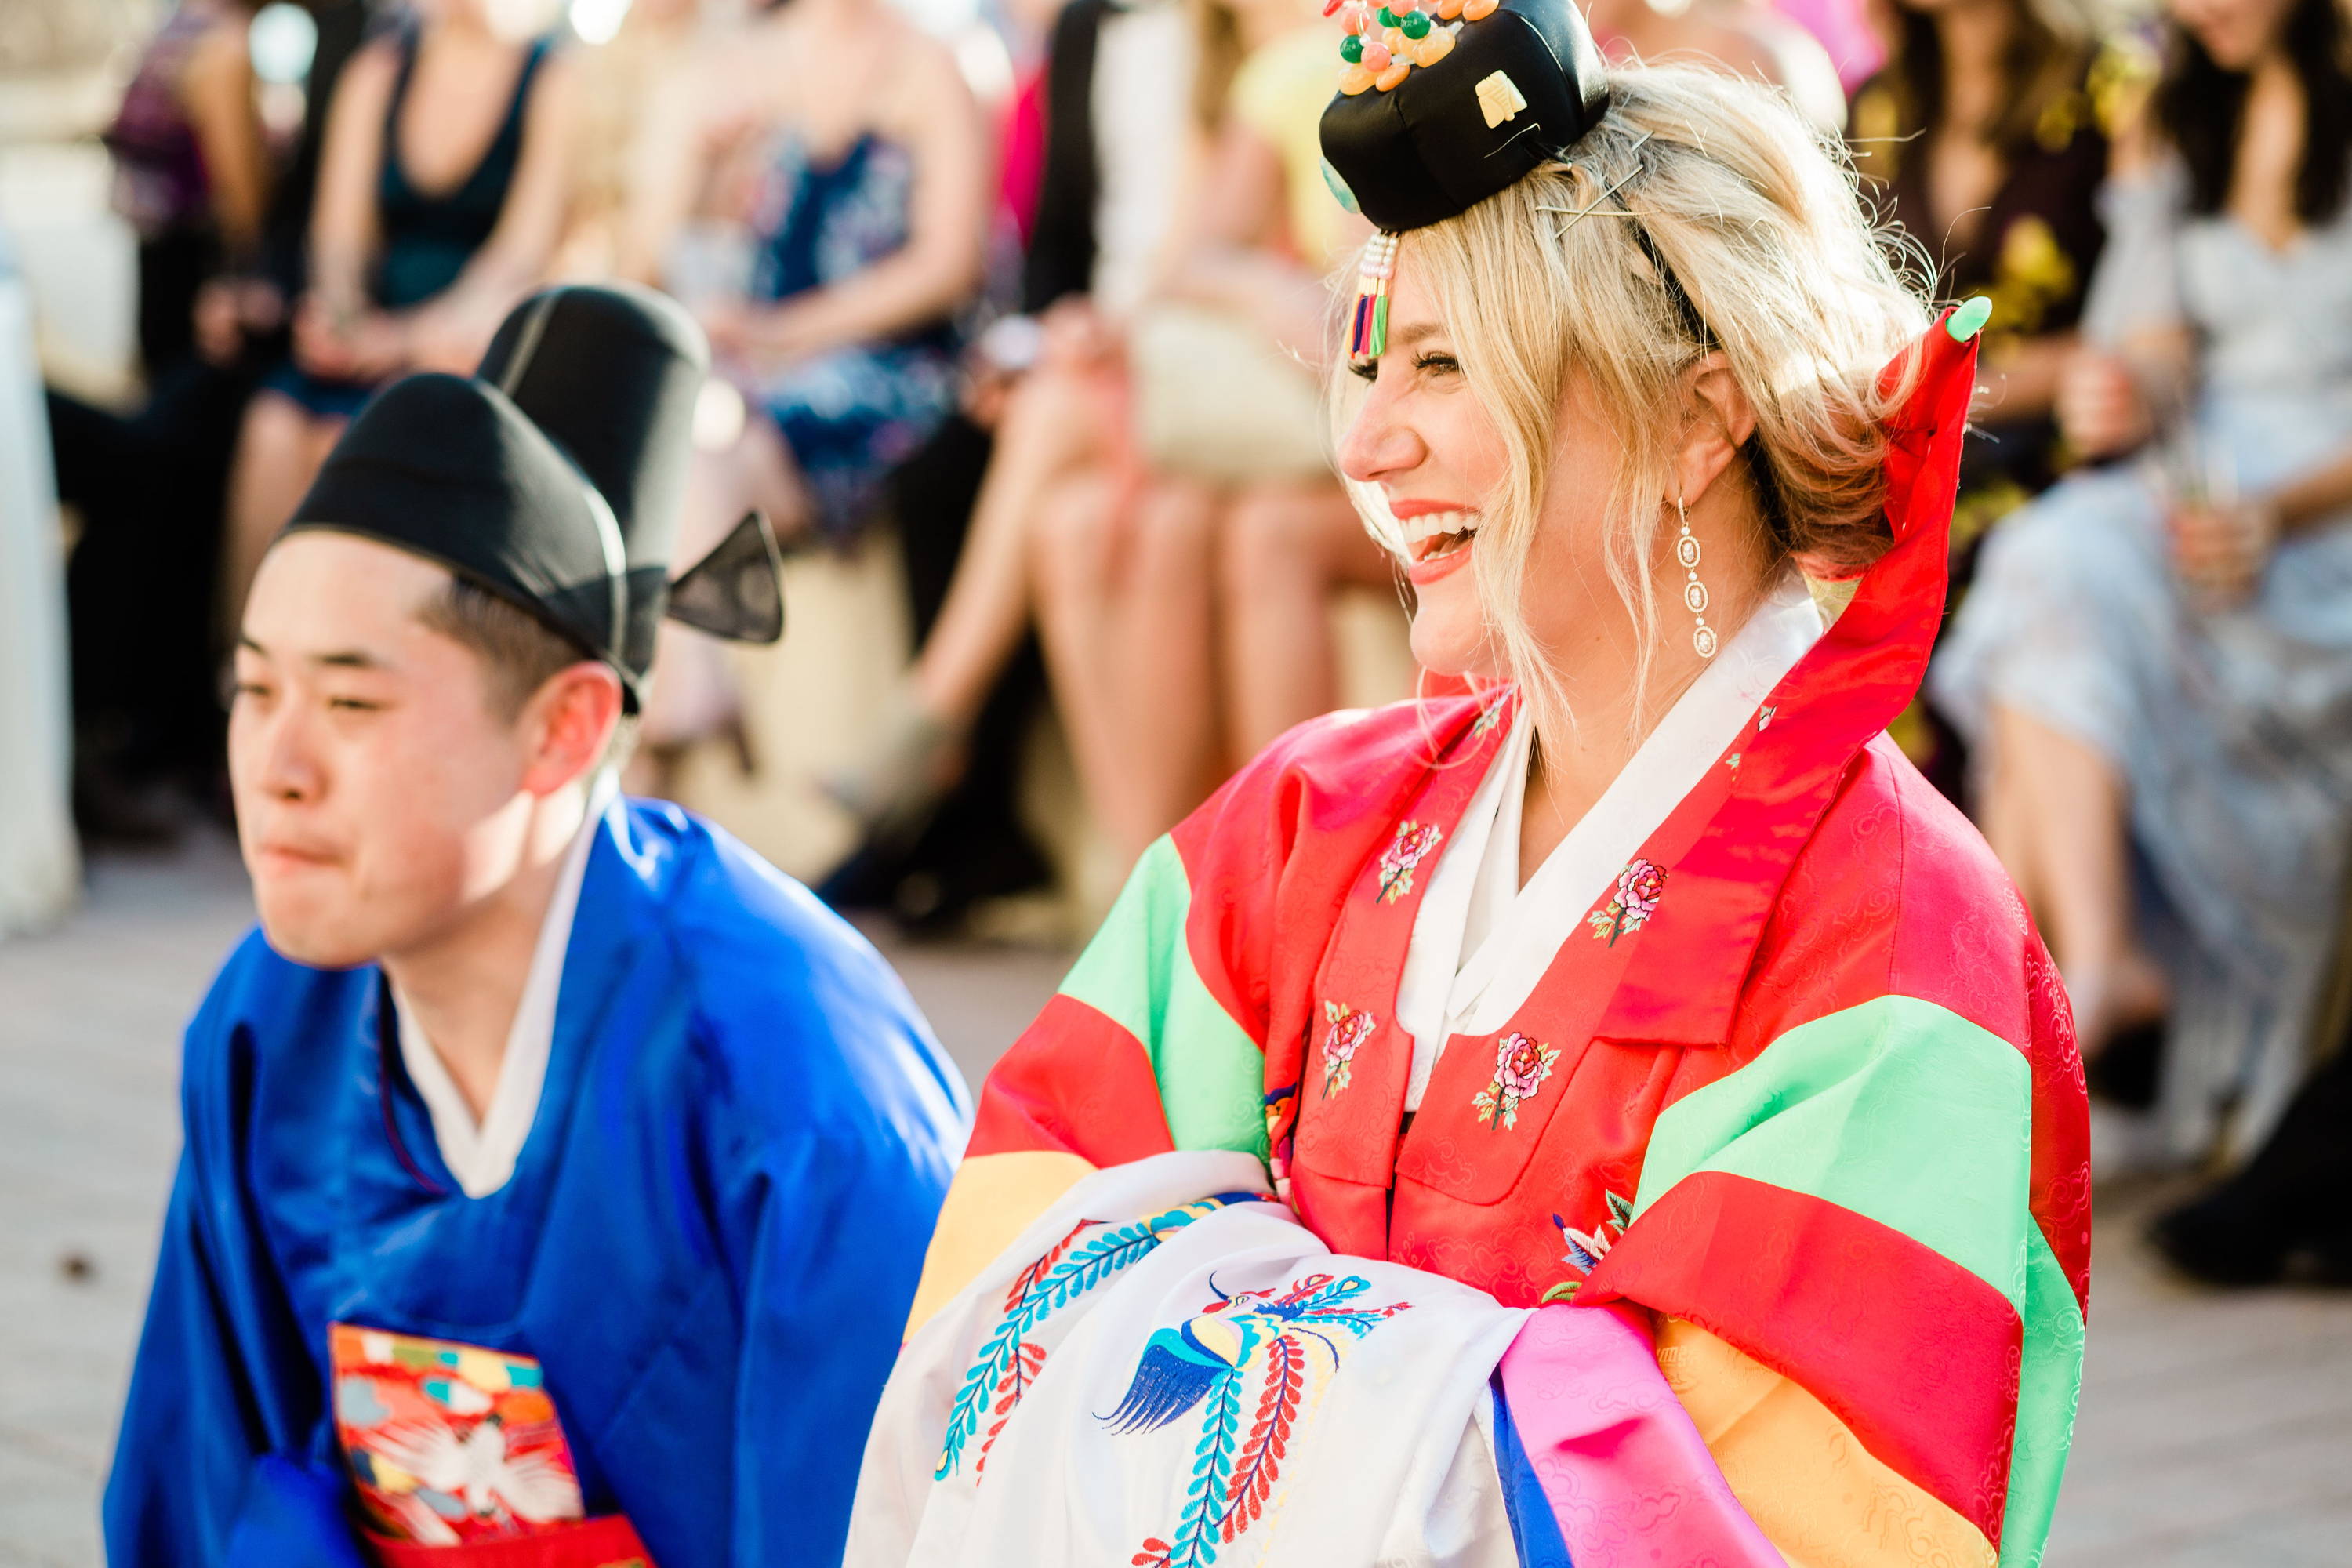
(1355, 80)
(1428, 51)
(1448, 10)
(1393, 77)
(1479, 10)
(1395, 40)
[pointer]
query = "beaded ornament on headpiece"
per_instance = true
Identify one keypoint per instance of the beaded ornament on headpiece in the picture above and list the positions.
(1440, 104)
(1383, 44)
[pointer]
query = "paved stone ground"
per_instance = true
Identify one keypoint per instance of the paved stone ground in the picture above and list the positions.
(2215, 1429)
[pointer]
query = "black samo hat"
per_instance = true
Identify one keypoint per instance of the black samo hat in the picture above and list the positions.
(553, 477)
(1440, 108)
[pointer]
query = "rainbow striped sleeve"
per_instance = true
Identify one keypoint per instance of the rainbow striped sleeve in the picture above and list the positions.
(1133, 1057)
(1861, 1309)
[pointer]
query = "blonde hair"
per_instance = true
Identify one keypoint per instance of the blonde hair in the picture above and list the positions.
(1759, 221)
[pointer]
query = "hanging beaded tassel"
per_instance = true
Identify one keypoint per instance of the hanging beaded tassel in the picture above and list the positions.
(1694, 591)
(1369, 339)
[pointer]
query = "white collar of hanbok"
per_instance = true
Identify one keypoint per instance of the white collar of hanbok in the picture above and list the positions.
(1482, 942)
(482, 1155)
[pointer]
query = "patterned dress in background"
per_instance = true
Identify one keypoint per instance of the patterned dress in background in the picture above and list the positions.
(2232, 725)
(2031, 251)
(851, 415)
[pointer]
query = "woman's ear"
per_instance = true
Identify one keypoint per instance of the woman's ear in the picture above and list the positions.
(1717, 422)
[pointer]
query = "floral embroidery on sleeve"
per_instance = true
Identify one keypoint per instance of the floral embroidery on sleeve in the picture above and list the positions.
(1521, 1064)
(1639, 887)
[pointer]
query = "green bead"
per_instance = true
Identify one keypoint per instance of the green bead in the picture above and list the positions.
(1387, 18)
(1415, 24)
(1968, 320)
(1351, 49)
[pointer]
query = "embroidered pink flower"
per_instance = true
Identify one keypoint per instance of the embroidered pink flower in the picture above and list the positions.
(1350, 1029)
(1639, 887)
(1411, 846)
(1521, 1064)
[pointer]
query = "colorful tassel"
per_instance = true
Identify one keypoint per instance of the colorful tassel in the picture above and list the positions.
(1367, 337)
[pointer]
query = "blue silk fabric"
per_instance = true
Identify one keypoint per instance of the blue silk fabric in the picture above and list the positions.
(711, 1240)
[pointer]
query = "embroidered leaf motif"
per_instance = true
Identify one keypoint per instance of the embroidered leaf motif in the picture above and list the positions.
(995, 1382)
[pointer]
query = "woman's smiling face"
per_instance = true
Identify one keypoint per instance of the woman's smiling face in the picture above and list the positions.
(1423, 439)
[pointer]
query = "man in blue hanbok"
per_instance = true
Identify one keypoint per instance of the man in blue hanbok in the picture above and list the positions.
(557, 1173)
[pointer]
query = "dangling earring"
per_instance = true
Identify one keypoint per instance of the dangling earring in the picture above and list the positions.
(1694, 591)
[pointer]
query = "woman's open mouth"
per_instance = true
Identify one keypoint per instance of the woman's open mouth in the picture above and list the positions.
(1438, 542)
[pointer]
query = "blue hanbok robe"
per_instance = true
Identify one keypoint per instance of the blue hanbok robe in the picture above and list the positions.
(710, 1240)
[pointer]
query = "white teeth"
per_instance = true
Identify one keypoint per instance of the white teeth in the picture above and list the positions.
(1438, 523)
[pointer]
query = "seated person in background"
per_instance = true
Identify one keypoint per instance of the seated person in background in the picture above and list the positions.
(1159, 494)
(861, 194)
(442, 190)
(1745, 37)
(1986, 138)
(620, 78)
(557, 1173)
(192, 175)
(1184, 579)
(192, 179)
(1095, 151)
(2157, 656)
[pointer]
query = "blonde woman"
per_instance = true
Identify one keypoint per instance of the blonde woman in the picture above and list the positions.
(1647, 992)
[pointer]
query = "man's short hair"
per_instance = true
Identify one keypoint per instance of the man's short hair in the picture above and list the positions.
(520, 653)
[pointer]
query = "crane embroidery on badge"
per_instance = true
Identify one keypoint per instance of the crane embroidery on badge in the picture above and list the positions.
(1521, 1064)
(1349, 1028)
(1288, 1342)
(1411, 846)
(1639, 887)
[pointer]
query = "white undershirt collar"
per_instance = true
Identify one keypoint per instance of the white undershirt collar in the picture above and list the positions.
(482, 1156)
(1481, 942)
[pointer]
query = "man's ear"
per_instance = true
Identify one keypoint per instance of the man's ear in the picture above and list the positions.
(570, 719)
(1717, 422)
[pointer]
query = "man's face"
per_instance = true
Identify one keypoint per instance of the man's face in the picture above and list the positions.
(379, 794)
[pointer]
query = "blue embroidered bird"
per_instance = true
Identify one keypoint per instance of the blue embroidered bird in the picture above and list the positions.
(1266, 1340)
(1180, 1365)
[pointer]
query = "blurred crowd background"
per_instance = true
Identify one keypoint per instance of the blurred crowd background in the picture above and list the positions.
(1019, 314)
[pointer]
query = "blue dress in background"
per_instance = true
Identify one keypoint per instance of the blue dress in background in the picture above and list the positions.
(2231, 725)
(709, 1243)
(850, 415)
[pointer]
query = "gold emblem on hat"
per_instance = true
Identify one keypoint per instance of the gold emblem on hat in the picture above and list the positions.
(1500, 99)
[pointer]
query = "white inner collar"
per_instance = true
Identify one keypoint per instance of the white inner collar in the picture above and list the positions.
(482, 1155)
(1481, 942)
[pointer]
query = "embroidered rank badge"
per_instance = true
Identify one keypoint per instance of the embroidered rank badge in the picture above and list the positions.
(449, 1443)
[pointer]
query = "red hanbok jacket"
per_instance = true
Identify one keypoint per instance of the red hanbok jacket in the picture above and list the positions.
(1803, 1088)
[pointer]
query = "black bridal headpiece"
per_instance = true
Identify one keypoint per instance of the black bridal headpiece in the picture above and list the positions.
(1438, 109)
